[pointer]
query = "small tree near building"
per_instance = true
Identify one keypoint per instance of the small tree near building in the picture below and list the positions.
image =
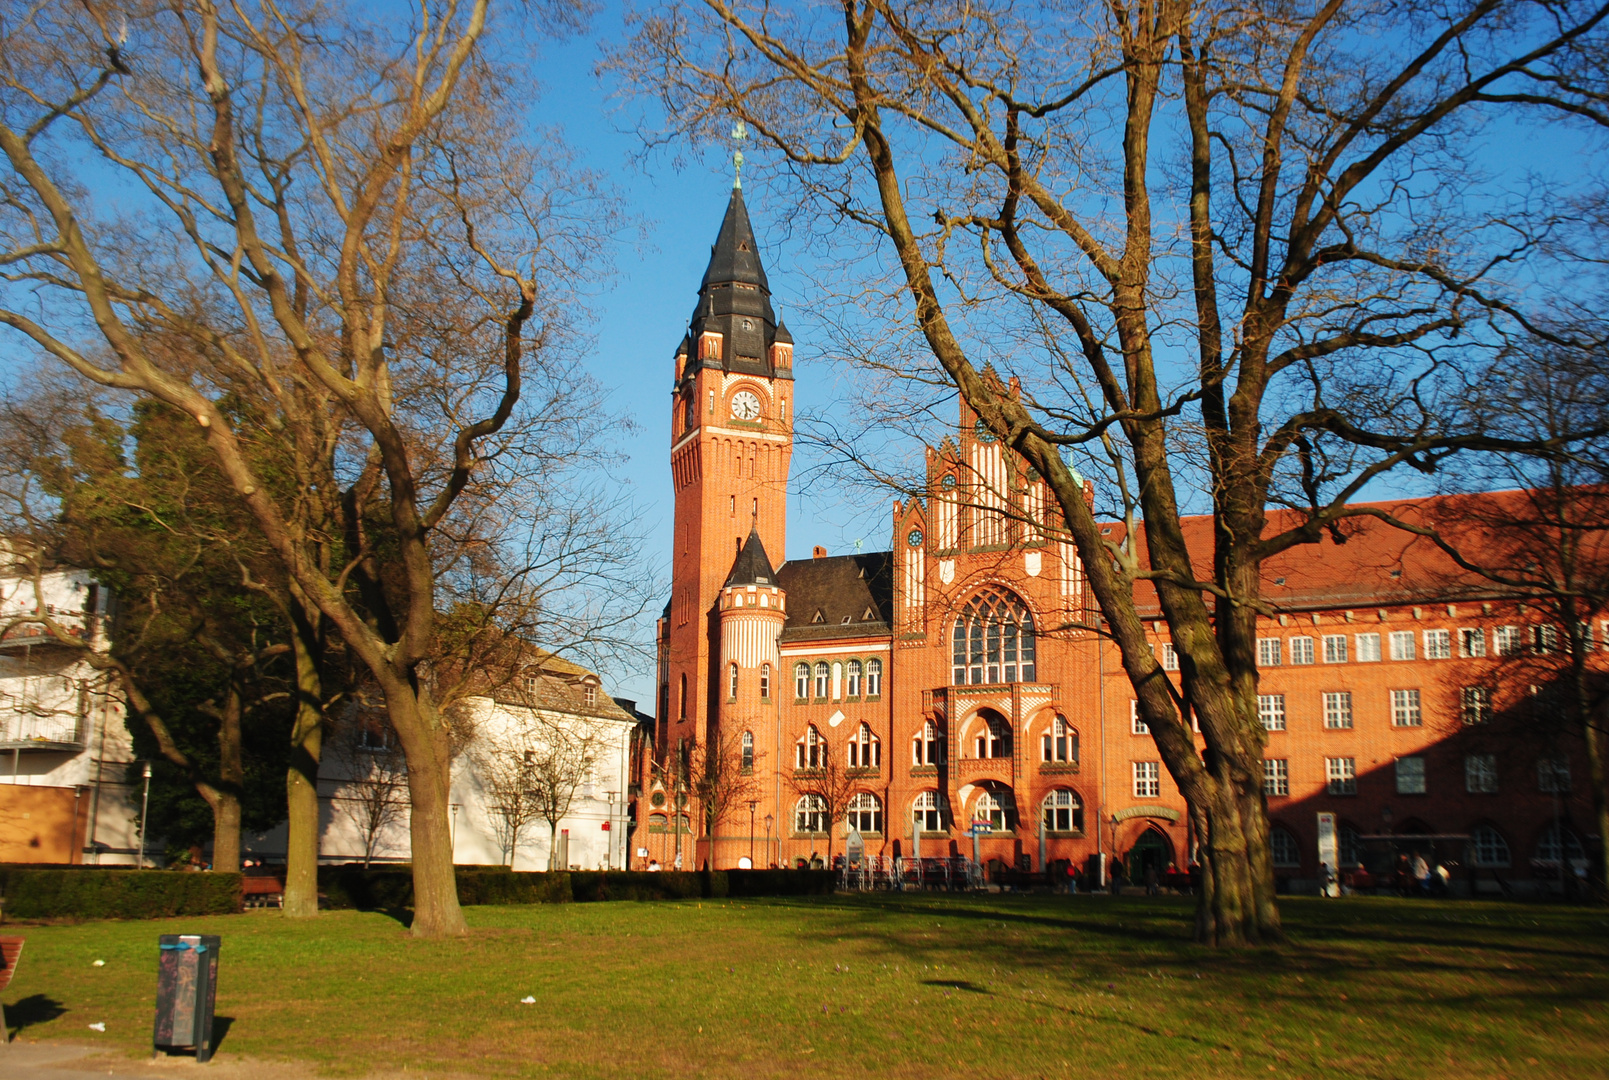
(531, 766)
(374, 794)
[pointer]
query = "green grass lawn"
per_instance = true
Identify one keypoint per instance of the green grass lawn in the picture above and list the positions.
(879, 986)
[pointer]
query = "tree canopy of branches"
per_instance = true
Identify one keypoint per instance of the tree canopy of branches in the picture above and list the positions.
(531, 765)
(1241, 254)
(330, 247)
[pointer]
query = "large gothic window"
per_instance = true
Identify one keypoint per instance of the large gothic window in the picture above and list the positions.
(993, 641)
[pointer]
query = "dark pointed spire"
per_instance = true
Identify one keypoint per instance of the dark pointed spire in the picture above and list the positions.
(753, 566)
(734, 299)
(735, 258)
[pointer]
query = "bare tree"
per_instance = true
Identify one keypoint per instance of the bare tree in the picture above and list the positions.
(531, 764)
(1234, 249)
(329, 238)
(373, 775)
(832, 785)
(723, 780)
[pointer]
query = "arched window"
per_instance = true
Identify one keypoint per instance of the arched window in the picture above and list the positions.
(865, 751)
(748, 751)
(810, 814)
(990, 808)
(1549, 853)
(852, 679)
(993, 641)
(925, 748)
(1063, 811)
(683, 713)
(865, 813)
(1060, 744)
(925, 812)
(684, 824)
(1282, 843)
(810, 750)
(801, 681)
(874, 678)
(1488, 845)
(657, 823)
(765, 681)
(823, 673)
(731, 679)
(994, 736)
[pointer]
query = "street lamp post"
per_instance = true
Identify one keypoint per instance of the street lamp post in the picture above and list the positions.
(609, 846)
(768, 822)
(752, 804)
(145, 807)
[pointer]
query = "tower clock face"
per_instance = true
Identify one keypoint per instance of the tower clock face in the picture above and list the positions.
(745, 406)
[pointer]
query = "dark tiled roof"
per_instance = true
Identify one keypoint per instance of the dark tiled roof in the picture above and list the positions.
(734, 299)
(753, 566)
(833, 597)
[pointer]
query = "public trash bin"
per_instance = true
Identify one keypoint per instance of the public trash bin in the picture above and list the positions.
(186, 992)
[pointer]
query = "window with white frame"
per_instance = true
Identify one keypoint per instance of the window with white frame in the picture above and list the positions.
(874, 678)
(823, 679)
(1301, 650)
(765, 681)
(1506, 641)
(1471, 641)
(1147, 779)
(992, 641)
(1062, 811)
(1341, 775)
(801, 681)
(1438, 644)
(810, 815)
(1276, 776)
(1335, 648)
(731, 680)
(1544, 639)
(1411, 775)
(1550, 852)
(925, 747)
(990, 808)
(1368, 647)
(1402, 645)
(1475, 704)
(926, 815)
(810, 750)
(1489, 847)
(1405, 711)
(993, 737)
(1283, 847)
(1271, 711)
(1338, 708)
(1553, 775)
(1136, 725)
(748, 751)
(1170, 657)
(1060, 743)
(865, 813)
(865, 751)
(1270, 652)
(1480, 774)
(852, 679)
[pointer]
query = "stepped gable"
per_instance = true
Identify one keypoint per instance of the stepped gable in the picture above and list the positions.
(841, 590)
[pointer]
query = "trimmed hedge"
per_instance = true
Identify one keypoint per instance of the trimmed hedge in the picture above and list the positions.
(96, 893)
(392, 886)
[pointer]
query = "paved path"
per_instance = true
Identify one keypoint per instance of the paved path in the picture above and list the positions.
(65, 1061)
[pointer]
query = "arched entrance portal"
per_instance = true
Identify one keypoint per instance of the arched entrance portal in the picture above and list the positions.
(1151, 851)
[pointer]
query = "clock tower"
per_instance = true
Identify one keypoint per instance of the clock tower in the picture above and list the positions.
(731, 441)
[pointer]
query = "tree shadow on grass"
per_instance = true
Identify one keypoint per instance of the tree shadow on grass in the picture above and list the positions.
(957, 984)
(33, 1009)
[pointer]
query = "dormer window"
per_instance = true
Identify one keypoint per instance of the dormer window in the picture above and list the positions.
(820, 618)
(591, 694)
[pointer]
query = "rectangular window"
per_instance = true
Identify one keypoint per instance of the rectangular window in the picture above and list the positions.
(1471, 641)
(1553, 776)
(1276, 777)
(1271, 711)
(1338, 709)
(1438, 644)
(1411, 775)
(1402, 645)
(1368, 646)
(1170, 658)
(1335, 648)
(1480, 774)
(1268, 652)
(1301, 650)
(1544, 639)
(1506, 641)
(1136, 725)
(1477, 704)
(1405, 709)
(1341, 775)
(1147, 779)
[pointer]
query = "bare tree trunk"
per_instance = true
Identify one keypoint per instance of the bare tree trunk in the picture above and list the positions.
(435, 887)
(231, 782)
(301, 783)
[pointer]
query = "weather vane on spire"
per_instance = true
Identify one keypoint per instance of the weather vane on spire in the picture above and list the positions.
(739, 133)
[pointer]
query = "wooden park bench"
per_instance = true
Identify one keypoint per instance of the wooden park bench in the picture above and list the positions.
(262, 892)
